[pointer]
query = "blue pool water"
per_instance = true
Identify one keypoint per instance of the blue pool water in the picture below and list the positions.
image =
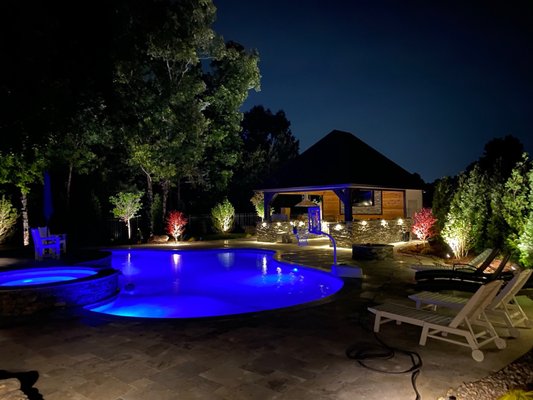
(39, 276)
(207, 283)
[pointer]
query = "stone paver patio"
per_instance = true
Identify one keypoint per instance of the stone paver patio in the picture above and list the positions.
(289, 354)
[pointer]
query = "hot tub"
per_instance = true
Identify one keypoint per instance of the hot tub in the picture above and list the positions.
(27, 291)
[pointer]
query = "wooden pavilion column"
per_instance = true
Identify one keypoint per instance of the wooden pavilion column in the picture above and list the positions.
(268, 197)
(345, 195)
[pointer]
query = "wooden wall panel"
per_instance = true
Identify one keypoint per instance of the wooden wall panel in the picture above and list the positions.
(393, 205)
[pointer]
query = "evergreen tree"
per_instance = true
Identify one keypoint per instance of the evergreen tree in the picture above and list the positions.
(467, 218)
(442, 196)
(517, 203)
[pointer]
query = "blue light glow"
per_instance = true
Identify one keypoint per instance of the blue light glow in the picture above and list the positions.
(206, 283)
(39, 276)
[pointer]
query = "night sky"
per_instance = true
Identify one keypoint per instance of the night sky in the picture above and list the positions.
(426, 83)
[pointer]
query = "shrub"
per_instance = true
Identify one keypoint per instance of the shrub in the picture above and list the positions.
(222, 216)
(258, 200)
(176, 222)
(517, 209)
(424, 224)
(457, 234)
(8, 218)
(517, 394)
(467, 215)
(525, 243)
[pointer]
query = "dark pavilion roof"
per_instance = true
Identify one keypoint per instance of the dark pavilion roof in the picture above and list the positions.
(340, 159)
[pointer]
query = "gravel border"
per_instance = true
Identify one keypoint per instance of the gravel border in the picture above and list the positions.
(517, 375)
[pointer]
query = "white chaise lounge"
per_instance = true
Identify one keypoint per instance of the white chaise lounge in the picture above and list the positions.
(470, 327)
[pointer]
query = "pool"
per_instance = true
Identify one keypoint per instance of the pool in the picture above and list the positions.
(210, 283)
(38, 276)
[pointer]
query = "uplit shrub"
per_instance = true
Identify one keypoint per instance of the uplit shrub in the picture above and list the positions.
(222, 216)
(517, 394)
(8, 218)
(467, 215)
(176, 222)
(525, 243)
(127, 204)
(457, 233)
(423, 224)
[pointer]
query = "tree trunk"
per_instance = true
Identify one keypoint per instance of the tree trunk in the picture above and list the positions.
(164, 187)
(129, 229)
(149, 206)
(178, 192)
(25, 223)
(69, 182)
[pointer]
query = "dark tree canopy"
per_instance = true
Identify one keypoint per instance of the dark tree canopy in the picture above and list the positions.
(270, 134)
(119, 93)
(267, 144)
(500, 156)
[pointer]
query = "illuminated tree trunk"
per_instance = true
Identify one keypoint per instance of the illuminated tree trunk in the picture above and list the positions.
(128, 224)
(25, 224)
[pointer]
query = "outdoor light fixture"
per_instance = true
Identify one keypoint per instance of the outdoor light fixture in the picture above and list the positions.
(264, 224)
(384, 223)
(305, 202)
(400, 221)
(338, 227)
(364, 223)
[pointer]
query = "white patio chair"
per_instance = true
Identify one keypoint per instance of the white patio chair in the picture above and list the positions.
(44, 231)
(503, 307)
(470, 324)
(45, 246)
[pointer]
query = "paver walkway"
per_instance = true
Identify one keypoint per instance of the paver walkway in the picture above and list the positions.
(292, 354)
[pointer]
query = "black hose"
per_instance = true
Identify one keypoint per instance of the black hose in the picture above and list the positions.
(383, 351)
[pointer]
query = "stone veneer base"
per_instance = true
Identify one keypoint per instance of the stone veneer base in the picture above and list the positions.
(28, 300)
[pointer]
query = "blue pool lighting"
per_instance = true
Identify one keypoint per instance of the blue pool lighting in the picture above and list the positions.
(40, 276)
(208, 283)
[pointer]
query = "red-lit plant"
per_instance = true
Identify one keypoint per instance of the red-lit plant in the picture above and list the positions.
(176, 222)
(423, 224)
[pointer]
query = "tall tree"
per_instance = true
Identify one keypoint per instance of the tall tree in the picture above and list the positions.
(23, 170)
(229, 79)
(500, 156)
(268, 143)
(76, 145)
(169, 90)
